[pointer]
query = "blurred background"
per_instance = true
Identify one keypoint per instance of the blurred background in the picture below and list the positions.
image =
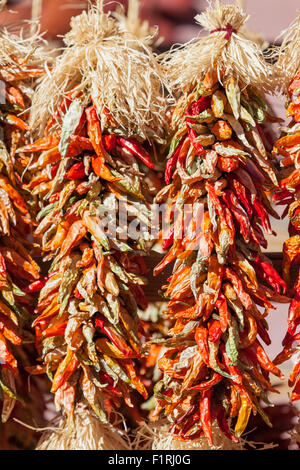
(175, 20)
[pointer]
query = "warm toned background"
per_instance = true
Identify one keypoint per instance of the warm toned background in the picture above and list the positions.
(174, 17)
(175, 21)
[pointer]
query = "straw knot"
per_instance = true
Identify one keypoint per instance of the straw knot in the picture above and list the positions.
(229, 30)
(2, 4)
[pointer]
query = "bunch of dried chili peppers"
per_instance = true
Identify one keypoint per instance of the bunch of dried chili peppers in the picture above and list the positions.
(215, 366)
(21, 65)
(287, 147)
(84, 169)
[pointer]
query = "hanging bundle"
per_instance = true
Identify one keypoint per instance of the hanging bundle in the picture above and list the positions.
(215, 369)
(132, 24)
(287, 147)
(21, 59)
(117, 72)
(95, 113)
(90, 433)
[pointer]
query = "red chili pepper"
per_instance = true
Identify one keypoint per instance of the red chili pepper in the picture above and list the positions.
(172, 160)
(294, 374)
(113, 336)
(139, 295)
(296, 392)
(201, 336)
(281, 195)
(224, 314)
(110, 142)
(257, 234)
(261, 357)
(55, 330)
(223, 425)
(263, 333)
(16, 121)
(233, 370)
(205, 415)
(63, 107)
(261, 213)
(216, 378)
(168, 392)
(136, 149)
(294, 310)
(214, 331)
(82, 188)
(77, 294)
(220, 209)
(53, 170)
(193, 136)
(266, 271)
(168, 241)
(227, 164)
(289, 337)
(198, 106)
(15, 96)
(2, 266)
(95, 135)
(239, 214)
(242, 194)
(38, 285)
(189, 422)
(55, 197)
(107, 380)
(238, 287)
(256, 174)
(76, 172)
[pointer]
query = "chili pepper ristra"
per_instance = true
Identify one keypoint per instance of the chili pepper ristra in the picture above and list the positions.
(215, 368)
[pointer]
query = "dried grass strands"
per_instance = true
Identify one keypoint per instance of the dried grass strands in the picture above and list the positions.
(88, 434)
(120, 73)
(25, 48)
(133, 26)
(288, 55)
(158, 437)
(236, 57)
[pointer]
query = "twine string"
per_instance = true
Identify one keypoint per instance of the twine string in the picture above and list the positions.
(229, 30)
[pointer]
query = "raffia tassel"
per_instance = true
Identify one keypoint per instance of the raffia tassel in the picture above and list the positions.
(288, 55)
(158, 437)
(89, 434)
(132, 24)
(226, 50)
(120, 73)
(27, 47)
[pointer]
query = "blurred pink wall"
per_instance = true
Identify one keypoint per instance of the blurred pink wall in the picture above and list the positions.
(267, 17)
